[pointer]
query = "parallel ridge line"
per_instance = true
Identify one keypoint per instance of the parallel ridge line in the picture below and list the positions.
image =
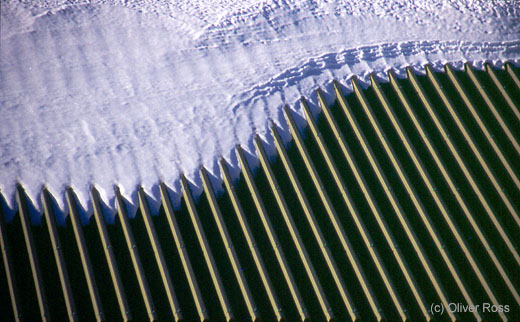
(433, 191)
(232, 256)
(297, 240)
(251, 243)
(110, 256)
(370, 199)
(455, 230)
(502, 90)
(58, 255)
(491, 214)
(134, 255)
(208, 255)
(186, 263)
(31, 251)
(467, 137)
(311, 219)
(159, 257)
(492, 107)
(273, 239)
(382, 270)
(426, 263)
(9, 269)
(88, 270)
(512, 74)
(333, 217)
(482, 126)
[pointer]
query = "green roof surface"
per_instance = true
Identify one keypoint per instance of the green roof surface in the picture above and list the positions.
(400, 201)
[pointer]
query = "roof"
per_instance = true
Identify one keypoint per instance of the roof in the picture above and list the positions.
(399, 201)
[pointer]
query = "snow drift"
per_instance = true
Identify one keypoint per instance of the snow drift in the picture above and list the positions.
(135, 92)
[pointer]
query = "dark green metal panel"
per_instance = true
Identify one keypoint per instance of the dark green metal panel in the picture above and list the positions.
(399, 201)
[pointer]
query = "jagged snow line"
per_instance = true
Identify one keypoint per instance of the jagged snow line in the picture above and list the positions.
(134, 92)
(260, 92)
(395, 55)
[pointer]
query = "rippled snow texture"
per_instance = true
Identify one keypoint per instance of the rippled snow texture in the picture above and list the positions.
(136, 92)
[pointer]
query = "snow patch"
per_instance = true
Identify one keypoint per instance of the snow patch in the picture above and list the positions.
(133, 93)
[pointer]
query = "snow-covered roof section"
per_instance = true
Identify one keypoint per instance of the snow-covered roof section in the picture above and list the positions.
(136, 92)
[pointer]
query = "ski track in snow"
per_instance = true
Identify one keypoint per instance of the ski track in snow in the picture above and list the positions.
(137, 92)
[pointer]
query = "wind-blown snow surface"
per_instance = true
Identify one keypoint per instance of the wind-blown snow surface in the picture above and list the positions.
(136, 92)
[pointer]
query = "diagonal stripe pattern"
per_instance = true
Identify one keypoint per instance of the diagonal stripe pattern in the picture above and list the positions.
(399, 201)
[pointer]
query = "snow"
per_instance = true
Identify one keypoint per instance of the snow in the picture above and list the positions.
(135, 92)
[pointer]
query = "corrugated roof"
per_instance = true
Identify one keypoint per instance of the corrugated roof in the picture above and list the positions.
(398, 201)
